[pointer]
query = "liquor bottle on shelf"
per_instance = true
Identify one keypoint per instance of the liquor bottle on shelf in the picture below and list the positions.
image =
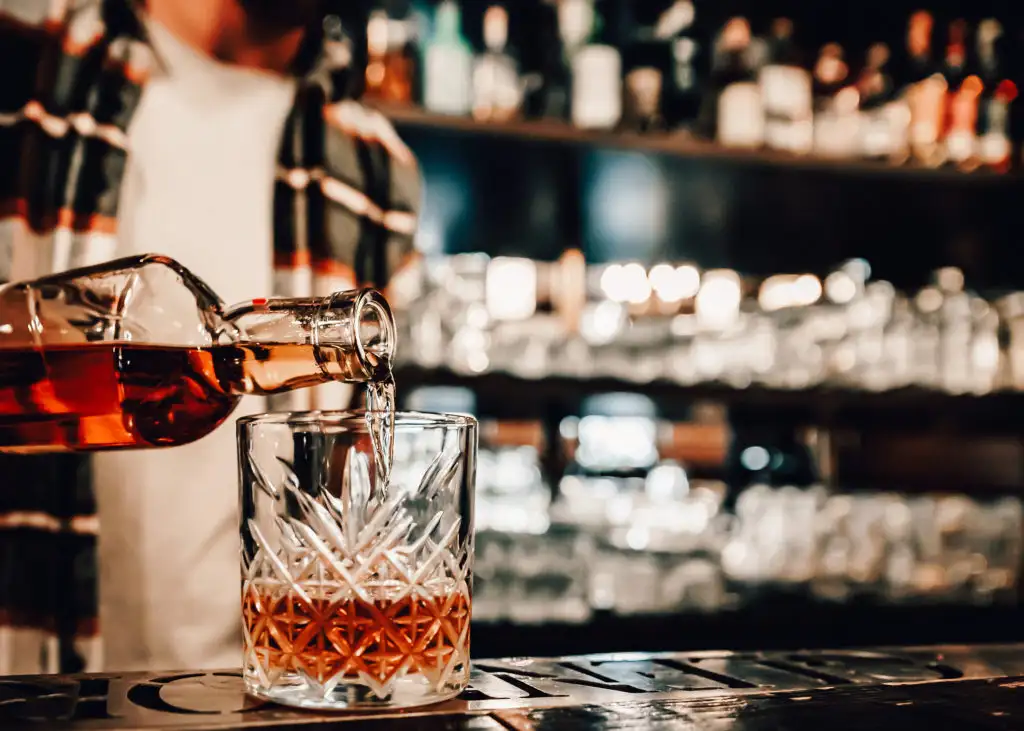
(681, 89)
(962, 94)
(643, 101)
(389, 68)
(547, 76)
(732, 109)
(961, 140)
(836, 101)
(497, 89)
(831, 75)
(140, 352)
(919, 62)
(448, 64)
(885, 116)
(925, 92)
(596, 67)
(785, 93)
(995, 149)
(954, 65)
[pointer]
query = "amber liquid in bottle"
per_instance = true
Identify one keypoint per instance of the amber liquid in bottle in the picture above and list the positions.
(114, 395)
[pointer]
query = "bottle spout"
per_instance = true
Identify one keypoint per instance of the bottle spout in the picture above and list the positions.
(350, 335)
(359, 320)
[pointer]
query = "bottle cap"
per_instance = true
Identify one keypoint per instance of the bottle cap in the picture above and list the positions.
(675, 20)
(575, 21)
(377, 33)
(496, 28)
(735, 36)
(989, 31)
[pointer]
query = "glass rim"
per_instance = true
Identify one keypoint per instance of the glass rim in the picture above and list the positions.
(356, 420)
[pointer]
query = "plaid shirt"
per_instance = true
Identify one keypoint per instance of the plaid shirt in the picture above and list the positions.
(73, 72)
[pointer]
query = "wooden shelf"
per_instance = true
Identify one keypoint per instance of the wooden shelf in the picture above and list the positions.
(903, 409)
(680, 145)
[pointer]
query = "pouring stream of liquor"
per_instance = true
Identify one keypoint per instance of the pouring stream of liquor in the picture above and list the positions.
(380, 422)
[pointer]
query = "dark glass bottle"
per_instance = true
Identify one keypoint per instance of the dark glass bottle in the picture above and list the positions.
(884, 113)
(925, 90)
(831, 74)
(919, 62)
(785, 92)
(682, 89)
(548, 76)
(996, 102)
(731, 109)
(836, 122)
(954, 65)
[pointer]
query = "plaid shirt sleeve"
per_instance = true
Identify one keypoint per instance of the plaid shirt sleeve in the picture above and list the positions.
(346, 192)
(71, 81)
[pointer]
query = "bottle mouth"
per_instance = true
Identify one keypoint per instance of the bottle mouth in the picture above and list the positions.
(373, 332)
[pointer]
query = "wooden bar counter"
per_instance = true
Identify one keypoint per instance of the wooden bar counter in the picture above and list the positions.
(950, 687)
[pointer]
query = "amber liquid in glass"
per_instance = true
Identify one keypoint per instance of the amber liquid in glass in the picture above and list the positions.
(378, 638)
(117, 395)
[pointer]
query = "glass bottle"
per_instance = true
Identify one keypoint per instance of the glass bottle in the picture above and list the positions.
(682, 95)
(919, 61)
(786, 93)
(596, 89)
(995, 148)
(733, 107)
(954, 65)
(641, 112)
(925, 92)
(389, 68)
(836, 113)
(962, 93)
(884, 115)
(139, 352)
(497, 90)
(448, 66)
(547, 77)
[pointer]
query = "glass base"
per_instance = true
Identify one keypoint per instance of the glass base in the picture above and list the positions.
(409, 691)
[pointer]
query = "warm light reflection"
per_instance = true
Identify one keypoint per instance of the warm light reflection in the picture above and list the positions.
(674, 284)
(601, 323)
(626, 283)
(718, 301)
(788, 290)
(511, 288)
(840, 287)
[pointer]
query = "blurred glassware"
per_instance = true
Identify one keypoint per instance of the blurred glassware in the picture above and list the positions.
(675, 323)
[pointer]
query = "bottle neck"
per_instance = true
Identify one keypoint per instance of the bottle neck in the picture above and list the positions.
(352, 333)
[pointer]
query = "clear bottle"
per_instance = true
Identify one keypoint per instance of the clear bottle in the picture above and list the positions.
(596, 93)
(786, 93)
(836, 115)
(925, 92)
(497, 90)
(733, 108)
(884, 115)
(140, 352)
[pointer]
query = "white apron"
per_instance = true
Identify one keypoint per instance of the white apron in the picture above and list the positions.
(199, 189)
